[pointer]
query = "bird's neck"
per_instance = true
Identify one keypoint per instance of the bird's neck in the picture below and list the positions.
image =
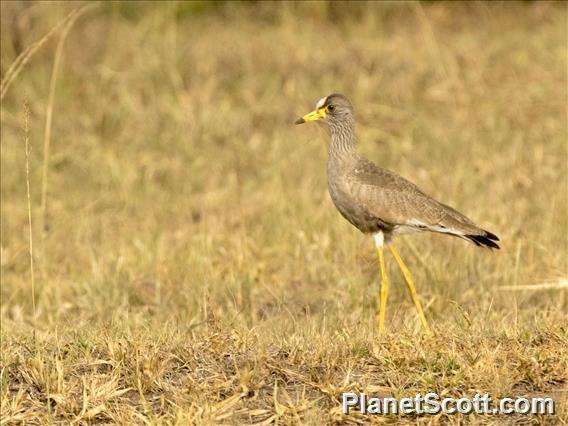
(342, 145)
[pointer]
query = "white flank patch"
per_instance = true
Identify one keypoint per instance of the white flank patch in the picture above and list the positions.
(436, 228)
(379, 238)
(417, 224)
(321, 102)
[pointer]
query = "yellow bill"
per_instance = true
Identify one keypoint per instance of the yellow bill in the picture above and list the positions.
(316, 114)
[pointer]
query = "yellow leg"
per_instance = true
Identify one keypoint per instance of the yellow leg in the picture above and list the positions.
(411, 289)
(384, 290)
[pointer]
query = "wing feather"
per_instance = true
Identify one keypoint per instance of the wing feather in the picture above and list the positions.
(397, 201)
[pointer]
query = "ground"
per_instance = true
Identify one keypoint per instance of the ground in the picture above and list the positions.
(188, 264)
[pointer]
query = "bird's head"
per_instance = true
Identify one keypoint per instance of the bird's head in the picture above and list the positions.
(333, 110)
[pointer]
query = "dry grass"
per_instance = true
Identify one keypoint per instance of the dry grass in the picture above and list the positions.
(193, 267)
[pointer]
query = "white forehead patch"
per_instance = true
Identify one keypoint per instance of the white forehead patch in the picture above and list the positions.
(321, 102)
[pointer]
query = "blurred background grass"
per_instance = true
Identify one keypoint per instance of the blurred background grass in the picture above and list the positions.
(180, 193)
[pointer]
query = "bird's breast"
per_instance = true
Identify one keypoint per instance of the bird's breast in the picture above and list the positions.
(347, 204)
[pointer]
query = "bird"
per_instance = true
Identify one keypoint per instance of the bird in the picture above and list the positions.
(382, 203)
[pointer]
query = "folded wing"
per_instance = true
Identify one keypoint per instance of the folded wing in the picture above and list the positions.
(397, 201)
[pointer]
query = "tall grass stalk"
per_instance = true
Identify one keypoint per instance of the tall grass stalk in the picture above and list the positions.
(27, 54)
(48, 124)
(31, 239)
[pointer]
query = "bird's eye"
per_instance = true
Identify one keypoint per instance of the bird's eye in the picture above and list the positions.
(330, 107)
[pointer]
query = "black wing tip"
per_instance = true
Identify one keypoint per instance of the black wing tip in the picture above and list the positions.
(491, 236)
(487, 240)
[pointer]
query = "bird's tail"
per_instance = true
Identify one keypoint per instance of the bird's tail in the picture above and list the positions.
(487, 239)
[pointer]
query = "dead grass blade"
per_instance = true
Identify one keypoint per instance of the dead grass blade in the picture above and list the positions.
(560, 284)
(27, 54)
